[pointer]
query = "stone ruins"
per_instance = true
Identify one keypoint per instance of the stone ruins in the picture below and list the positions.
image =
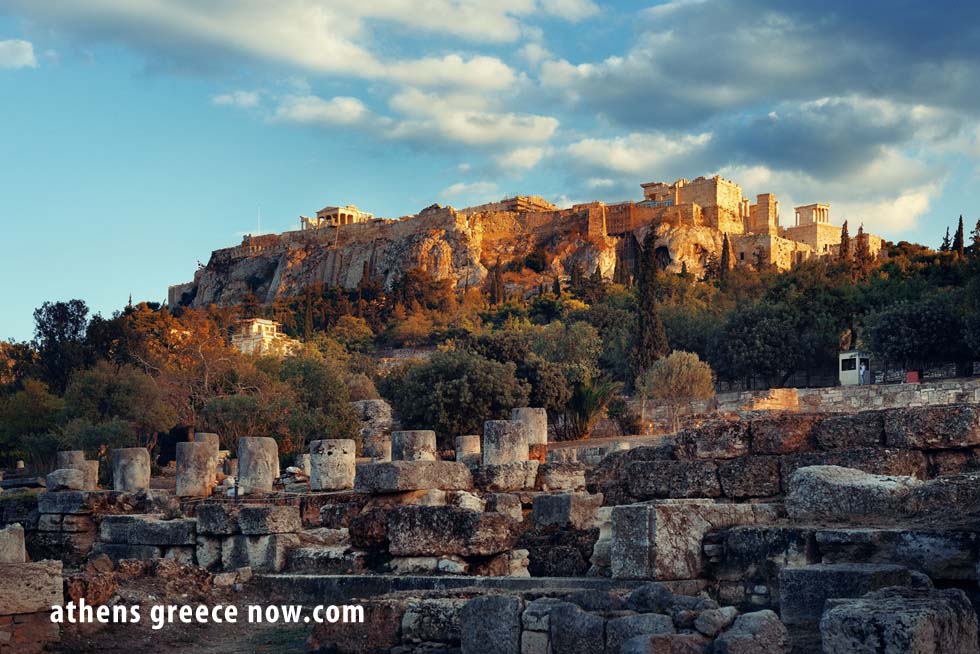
(689, 220)
(769, 529)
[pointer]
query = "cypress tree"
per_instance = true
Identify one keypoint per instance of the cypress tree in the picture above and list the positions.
(958, 237)
(845, 244)
(947, 243)
(651, 338)
(556, 287)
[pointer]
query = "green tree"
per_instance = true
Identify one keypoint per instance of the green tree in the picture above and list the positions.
(585, 407)
(727, 259)
(676, 380)
(453, 393)
(353, 332)
(975, 239)
(757, 342)
(651, 338)
(947, 244)
(25, 417)
(920, 332)
(958, 237)
(59, 339)
(844, 253)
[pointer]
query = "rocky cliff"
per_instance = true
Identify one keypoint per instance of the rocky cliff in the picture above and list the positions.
(534, 247)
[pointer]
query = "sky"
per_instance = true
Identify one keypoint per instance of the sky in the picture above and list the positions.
(138, 135)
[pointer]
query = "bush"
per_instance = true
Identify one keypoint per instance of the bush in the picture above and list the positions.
(675, 380)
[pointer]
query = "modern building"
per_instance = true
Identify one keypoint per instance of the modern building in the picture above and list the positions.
(258, 336)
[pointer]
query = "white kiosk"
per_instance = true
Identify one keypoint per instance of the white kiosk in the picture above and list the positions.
(850, 366)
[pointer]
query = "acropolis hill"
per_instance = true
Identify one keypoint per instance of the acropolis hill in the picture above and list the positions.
(340, 245)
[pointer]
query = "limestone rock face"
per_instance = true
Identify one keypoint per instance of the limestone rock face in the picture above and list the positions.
(835, 494)
(901, 620)
(30, 587)
(441, 530)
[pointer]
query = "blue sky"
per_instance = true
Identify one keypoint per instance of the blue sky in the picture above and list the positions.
(138, 135)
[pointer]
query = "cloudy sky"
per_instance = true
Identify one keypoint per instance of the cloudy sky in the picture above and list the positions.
(138, 135)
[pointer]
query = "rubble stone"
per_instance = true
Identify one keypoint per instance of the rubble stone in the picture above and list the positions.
(561, 477)
(750, 476)
(520, 475)
(901, 621)
(65, 479)
(760, 632)
(574, 631)
(620, 630)
(432, 620)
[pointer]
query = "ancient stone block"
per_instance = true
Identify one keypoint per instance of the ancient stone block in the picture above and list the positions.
(213, 441)
(130, 469)
(418, 445)
(760, 632)
(715, 440)
(504, 441)
(12, 548)
(535, 423)
(784, 433)
(399, 476)
(575, 510)
(673, 479)
(260, 519)
(468, 449)
(865, 429)
(873, 460)
(520, 475)
(217, 518)
(443, 530)
(901, 621)
(332, 464)
(935, 427)
(65, 479)
(208, 553)
(561, 477)
(30, 587)
(619, 630)
(385, 618)
(843, 495)
(667, 644)
(507, 504)
(756, 554)
(262, 553)
(713, 621)
(147, 530)
(491, 624)
(195, 469)
(803, 591)
(662, 540)
(942, 555)
(258, 465)
(750, 476)
(376, 423)
(432, 620)
(574, 631)
(121, 551)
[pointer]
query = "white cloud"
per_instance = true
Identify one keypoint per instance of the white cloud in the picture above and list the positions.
(243, 99)
(600, 182)
(453, 70)
(521, 158)
(573, 10)
(457, 118)
(313, 110)
(534, 53)
(637, 152)
(15, 53)
(470, 193)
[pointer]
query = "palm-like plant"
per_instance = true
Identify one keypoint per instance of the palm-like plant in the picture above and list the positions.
(584, 408)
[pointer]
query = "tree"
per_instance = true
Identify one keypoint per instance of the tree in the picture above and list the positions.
(352, 332)
(757, 342)
(947, 243)
(727, 259)
(862, 254)
(958, 237)
(453, 393)
(917, 333)
(59, 334)
(975, 239)
(676, 380)
(25, 417)
(556, 286)
(651, 338)
(584, 408)
(844, 254)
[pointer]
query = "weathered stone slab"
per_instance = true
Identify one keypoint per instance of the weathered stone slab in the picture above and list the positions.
(432, 621)
(865, 429)
(942, 555)
(873, 460)
(662, 540)
(935, 427)
(750, 476)
(715, 440)
(147, 530)
(575, 510)
(217, 519)
(504, 441)
(803, 591)
(561, 477)
(12, 548)
(619, 630)
(758, 553)
(66, 479)
(444, 530)
(121, 551)
(837, 495)
(901, 621)
(385, 619)
(30, 587)
(491, 624)
(784, 433)
(673, 479)
(520, 475)
(760, 632)
(399, 476)
(257, 520)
